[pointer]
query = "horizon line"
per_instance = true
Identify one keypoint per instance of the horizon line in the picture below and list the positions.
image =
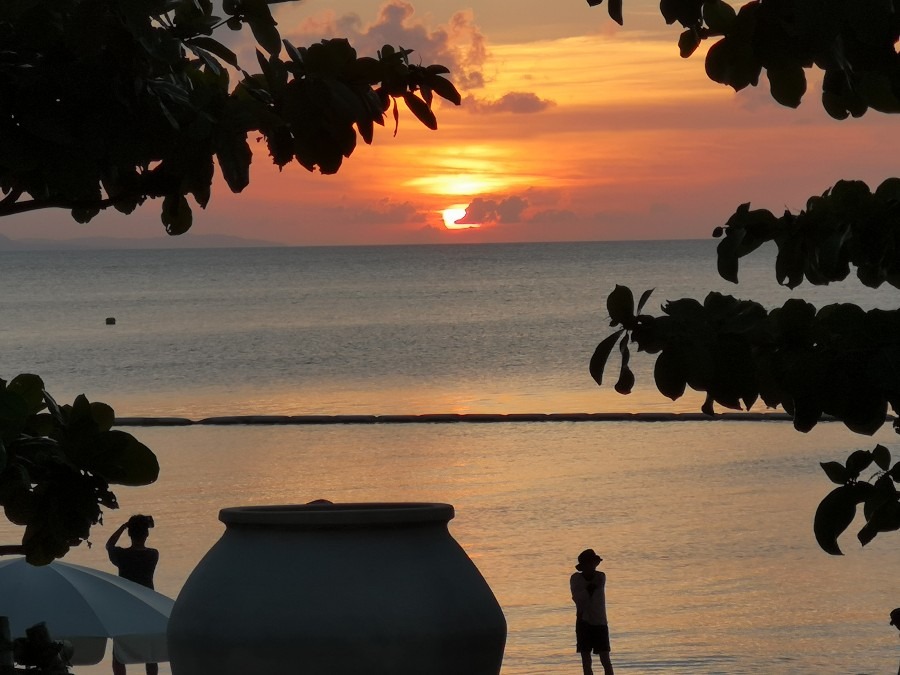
(234, 242)
(453, 418)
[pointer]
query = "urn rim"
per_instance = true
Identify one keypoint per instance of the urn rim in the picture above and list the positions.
(320, 514)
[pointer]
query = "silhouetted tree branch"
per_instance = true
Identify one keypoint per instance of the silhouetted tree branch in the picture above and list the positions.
(108, 103)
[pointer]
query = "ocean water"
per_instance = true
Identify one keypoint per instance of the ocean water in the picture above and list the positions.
(705, 527)
(394, 329)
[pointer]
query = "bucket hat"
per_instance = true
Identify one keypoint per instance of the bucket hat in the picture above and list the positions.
(586, 558)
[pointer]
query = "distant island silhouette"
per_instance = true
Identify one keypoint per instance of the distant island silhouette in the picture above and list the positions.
(118, 243)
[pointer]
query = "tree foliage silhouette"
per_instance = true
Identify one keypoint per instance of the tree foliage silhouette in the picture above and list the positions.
(838, 360)
(108, 103)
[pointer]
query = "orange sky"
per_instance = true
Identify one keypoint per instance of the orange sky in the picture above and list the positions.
(571, 129)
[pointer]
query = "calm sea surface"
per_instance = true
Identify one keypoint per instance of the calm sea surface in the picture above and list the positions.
(705, 527)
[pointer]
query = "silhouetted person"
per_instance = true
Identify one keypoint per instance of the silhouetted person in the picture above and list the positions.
(895, 622)
(136, 563)
(588, 588)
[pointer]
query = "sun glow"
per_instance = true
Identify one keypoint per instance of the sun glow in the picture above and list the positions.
(460, 184)
(454, 213)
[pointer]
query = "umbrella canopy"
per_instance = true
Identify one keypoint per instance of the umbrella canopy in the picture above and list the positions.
(87, 607)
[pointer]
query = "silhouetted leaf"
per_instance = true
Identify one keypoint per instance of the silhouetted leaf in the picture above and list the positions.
(789, 264)
(274, 72)
(103, 415)
(732, 60)
(884, 491)
(865, 412)
(688, 42)
(835, 105)
(643, 300)
(719, 16)
(834, 515)
(292, 52)
(176, 215)
(445, 89)
(615, 11)
(857, 462)
(889, 189)
(807, 411)
(396, 114)
(366, 129)
(427, 94)
(207, 58)
(668, 373)
(686, 12)
(84, 215)
(119, 458)
(216, 47)
(787, 84)
(281, 145)
(31, 389)
(625, 383)
(717, 63)
(885, 519)
(620, 304)
(835, 472)
(601, 355)
(420, 109)
(234, 156)
(263, 27)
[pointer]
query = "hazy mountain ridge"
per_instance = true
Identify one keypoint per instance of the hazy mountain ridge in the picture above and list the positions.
(94, 243)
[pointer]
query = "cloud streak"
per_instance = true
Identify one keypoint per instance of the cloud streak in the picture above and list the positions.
(519, 102)
(486, 211)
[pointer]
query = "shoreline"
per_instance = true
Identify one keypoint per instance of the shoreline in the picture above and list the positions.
(453, 418)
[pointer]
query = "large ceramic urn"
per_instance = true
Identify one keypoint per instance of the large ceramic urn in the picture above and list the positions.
(337, 589)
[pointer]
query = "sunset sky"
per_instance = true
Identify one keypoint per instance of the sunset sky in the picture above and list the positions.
(571, 128)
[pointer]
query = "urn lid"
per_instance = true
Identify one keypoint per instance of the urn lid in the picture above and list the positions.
(342, 514)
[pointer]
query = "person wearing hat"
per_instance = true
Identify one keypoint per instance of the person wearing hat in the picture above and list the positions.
(895, 622)
(588, 588)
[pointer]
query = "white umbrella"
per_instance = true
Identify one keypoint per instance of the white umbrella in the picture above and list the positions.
(86, 607)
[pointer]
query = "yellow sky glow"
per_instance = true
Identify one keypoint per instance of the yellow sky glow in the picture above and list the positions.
(602, 70)
(465, 185)
(485, 154)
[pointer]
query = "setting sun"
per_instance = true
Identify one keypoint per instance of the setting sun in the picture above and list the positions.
(454, 213)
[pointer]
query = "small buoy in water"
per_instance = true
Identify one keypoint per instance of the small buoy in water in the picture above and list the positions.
(110, 321)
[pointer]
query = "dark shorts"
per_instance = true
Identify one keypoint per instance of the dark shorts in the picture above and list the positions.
(591, 638)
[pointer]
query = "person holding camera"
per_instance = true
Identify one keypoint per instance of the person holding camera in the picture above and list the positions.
(136, 563)
(588, 588)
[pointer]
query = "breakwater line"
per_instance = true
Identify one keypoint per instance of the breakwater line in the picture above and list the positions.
(453, 418)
